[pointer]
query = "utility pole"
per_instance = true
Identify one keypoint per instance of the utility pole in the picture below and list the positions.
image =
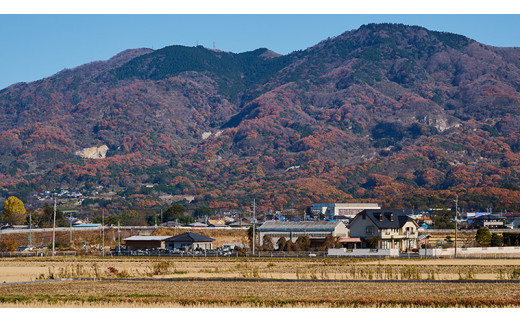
(456, 219)
(30, 230)
(54, 229)
(254, 222)
(155, 219)
(70, 223)
(118, 237)
(103, 228)
(161, 217)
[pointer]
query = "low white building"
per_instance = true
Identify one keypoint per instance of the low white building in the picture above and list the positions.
(336, 210)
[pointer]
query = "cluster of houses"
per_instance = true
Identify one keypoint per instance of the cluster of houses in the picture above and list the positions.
(356, 226)
(370, 228)
(63, 193)
(466, 220)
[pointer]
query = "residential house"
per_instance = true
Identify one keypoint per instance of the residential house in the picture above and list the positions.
(389, 228)
(470, 216)
(189, 240)
(489, 221)
(515, 224)
(239, 224)
(145, 242)
(217, 223)
(198, 225)
(424, 220)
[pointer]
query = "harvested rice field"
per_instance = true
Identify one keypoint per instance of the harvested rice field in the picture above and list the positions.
(31, 269)
(258, 294)
(258, 282)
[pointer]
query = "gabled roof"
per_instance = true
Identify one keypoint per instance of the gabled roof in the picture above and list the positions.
(489, 217)
(239, 224)
(147, 238)
(198, 224)
(387, 218)
(217, 221)
(423, 236)
(189, 237)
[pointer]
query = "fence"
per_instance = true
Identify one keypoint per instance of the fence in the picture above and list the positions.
(217, 253)
(465, 230)
(36, 254)
(488, 252)
(343, 252)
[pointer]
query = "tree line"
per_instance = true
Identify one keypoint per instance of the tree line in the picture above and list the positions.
(14, 213)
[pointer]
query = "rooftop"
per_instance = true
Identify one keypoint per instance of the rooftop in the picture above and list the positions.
(147, 238)
(387, 218)
(299, 225)
(189, 237)
(347, 205)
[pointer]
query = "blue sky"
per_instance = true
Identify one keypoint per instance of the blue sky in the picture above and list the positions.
(37, 46)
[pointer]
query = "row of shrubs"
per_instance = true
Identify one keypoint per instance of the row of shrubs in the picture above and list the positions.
(485, 238)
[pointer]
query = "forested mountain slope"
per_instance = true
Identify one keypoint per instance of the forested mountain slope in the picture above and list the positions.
(394, 113)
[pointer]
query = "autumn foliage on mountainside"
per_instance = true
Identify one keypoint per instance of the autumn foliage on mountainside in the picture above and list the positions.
(390, 113)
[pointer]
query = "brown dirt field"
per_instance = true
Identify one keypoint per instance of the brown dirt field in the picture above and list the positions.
(258, 294)
(30, 269)
(450, 261)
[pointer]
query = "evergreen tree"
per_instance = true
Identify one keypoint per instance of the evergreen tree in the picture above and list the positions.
(483, 237)
(496, 240)
(45, 217)
(176, 212)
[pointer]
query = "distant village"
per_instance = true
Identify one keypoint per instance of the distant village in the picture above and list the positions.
(352, 225)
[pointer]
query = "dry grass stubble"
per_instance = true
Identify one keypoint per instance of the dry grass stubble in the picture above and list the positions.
(259, 294)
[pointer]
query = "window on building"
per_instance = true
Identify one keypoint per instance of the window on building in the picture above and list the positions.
(370, 229)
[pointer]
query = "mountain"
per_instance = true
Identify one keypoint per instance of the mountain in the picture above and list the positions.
(388, 112)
